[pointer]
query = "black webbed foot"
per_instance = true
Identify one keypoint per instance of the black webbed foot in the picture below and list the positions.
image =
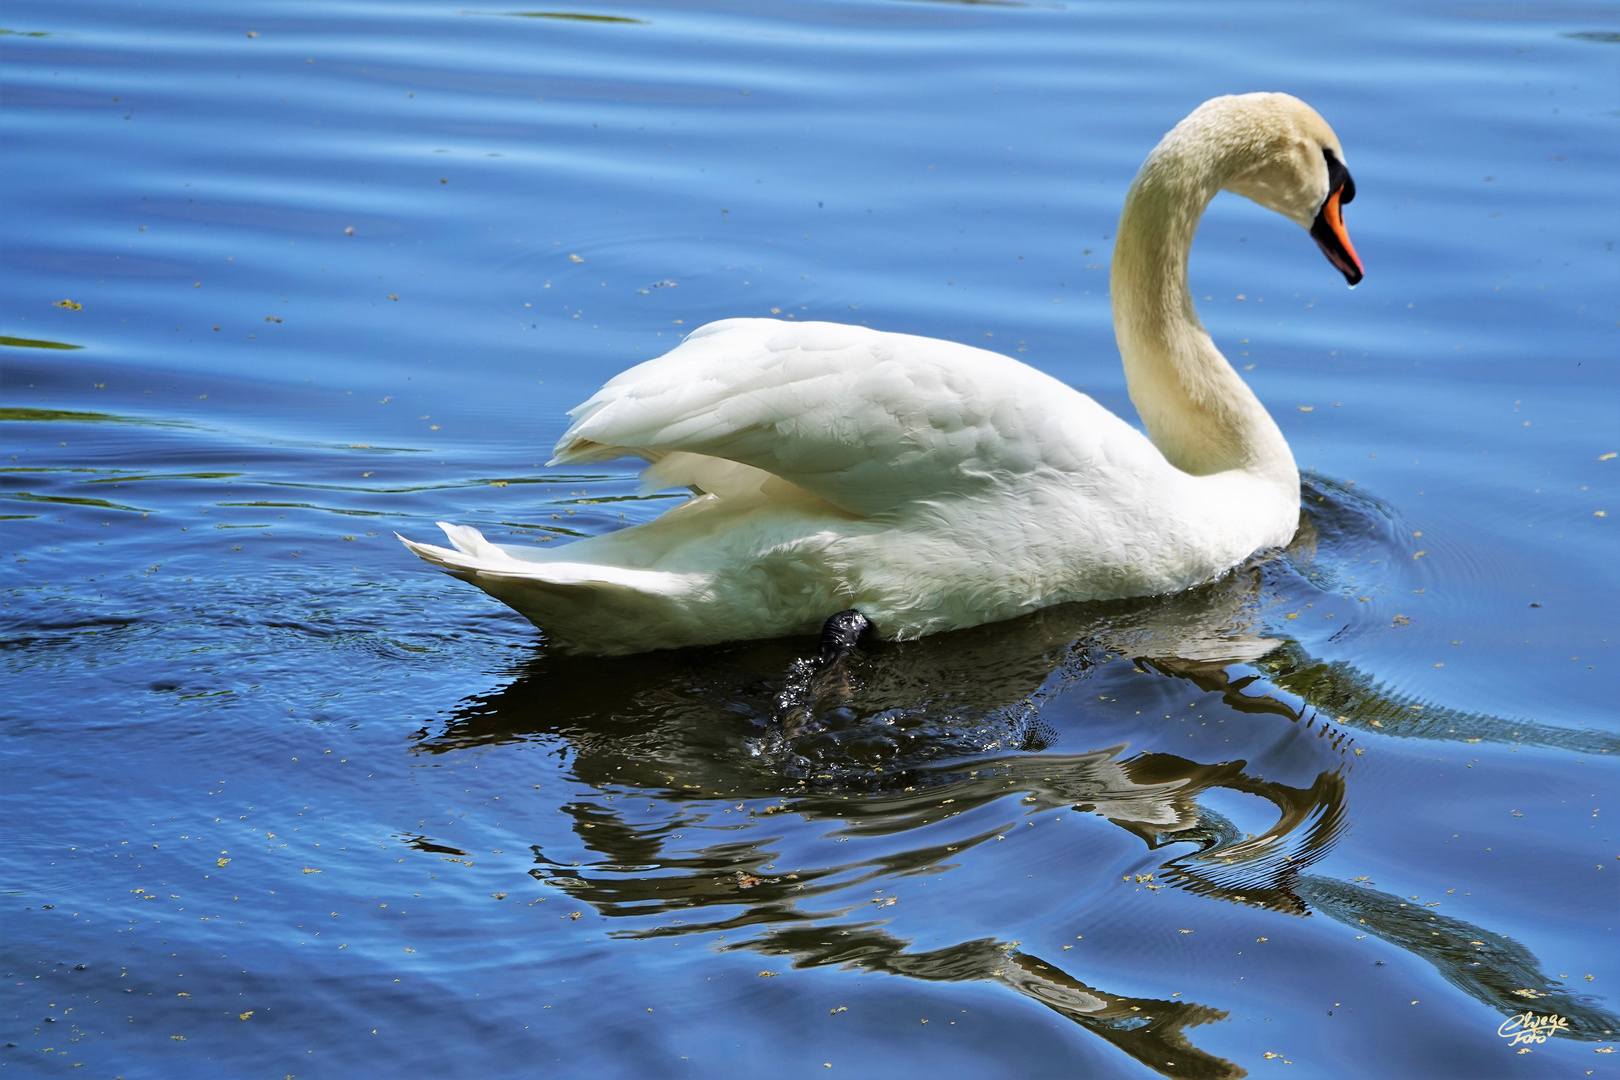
(815, 679)
(841, 633)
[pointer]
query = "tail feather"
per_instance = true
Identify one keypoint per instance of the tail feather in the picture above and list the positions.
(475, 557)
(583, 607)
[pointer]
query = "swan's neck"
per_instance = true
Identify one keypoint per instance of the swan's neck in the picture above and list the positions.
(1197, 410)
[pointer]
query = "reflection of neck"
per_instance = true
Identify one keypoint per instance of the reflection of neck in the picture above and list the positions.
(1198, 412)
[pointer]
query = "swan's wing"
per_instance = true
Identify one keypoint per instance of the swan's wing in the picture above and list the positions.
(864, 419)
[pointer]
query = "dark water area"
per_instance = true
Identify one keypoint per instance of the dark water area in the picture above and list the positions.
(281, 280)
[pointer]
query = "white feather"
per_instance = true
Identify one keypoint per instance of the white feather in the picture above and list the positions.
(929, 484)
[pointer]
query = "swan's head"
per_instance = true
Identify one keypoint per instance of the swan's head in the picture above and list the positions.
(1288, 160)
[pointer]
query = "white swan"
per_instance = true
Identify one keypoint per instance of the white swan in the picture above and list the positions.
(932, 485)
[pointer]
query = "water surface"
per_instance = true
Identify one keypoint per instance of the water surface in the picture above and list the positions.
(283, 279)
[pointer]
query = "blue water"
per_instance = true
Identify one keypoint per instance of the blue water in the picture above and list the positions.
(282, 801)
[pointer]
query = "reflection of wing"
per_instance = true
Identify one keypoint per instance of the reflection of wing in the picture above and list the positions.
(864, 419)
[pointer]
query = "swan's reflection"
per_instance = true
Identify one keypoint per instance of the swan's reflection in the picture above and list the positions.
(642, 874)
(1154, 796)
(1489, 967)
(1151, 1030)
(952, 727)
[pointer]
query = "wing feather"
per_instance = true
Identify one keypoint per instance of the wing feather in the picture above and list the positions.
(864, 419)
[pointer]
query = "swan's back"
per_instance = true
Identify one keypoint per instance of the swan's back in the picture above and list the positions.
(868, 421)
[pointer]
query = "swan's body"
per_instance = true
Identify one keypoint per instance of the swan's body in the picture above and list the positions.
(928, 484)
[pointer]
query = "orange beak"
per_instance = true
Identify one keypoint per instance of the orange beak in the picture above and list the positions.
(1329, 233)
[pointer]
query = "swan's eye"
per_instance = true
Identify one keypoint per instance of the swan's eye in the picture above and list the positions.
(1339, 177)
